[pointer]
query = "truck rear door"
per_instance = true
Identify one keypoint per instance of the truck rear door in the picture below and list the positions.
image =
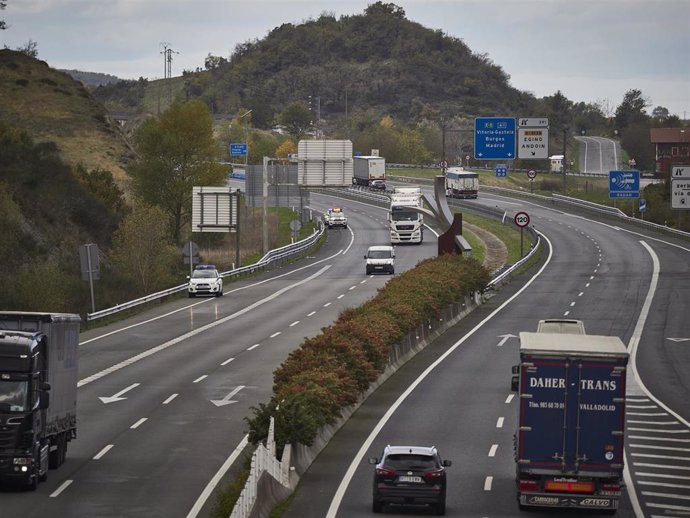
(572, 414)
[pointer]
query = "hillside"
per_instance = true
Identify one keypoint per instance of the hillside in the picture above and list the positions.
(361, 67)
(53, 107)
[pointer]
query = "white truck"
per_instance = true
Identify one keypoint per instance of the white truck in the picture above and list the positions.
(367, 169)
(406, 224)
(461, 183)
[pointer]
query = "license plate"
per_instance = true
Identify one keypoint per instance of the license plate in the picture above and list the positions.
(406, 478)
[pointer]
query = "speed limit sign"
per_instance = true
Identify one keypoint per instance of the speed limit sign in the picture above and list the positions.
(521, 219)
(531, 174)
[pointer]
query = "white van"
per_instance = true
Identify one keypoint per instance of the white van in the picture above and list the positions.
(380, 259)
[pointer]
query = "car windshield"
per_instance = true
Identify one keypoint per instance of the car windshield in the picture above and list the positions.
(204, 274)
(379, 254)
(14, 396)
(410, 461)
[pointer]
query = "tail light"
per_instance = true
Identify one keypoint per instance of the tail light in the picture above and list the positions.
(436, 474)
(528, 485)
(612, 488)
(385, 472)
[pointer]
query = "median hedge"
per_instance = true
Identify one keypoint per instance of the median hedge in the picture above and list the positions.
(329, 372)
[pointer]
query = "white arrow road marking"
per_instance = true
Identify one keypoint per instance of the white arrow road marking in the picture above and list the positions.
(116, 397)
(227, 399)
(504, 339)
(195, 332)
(679, 339)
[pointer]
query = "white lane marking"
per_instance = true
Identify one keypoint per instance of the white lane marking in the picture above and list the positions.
(656, 430)
(492, 450)
(487, 483)
(650, 414)
(580, 294)
(294, 323)
(655, 447)
(327, 304)
(170, 399)
(566, 313)
(510, 398)
(352, 288)
(666, 466)
(253, 347)
(208, 490)
(661, 423)
(60, 489)
(213, 299)
(362, 281)
(195, 332)
(139, 423)
(499, 423)
(105, 450)
(663, 439)
(340, 296)
(200, 378)
(116, 397)
(227, 361)
(275, 334)
(572, 304)
(366, 445)
(662, 484)
(661, 475)
(312, 313)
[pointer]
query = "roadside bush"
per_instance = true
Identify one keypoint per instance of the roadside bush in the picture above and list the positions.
(329, 372)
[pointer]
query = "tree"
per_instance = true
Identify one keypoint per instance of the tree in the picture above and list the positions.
(3, 4)
(142, 252)
(288, 147)
(211, 62)
(297, 119)
(631, 110)
(660, 114)
(176, 152)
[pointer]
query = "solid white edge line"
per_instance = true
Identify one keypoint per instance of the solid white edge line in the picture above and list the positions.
(632, 350)
(173, 341)
(199, 504)
(357, 460)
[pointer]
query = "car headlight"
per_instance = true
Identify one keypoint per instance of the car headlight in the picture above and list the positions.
(22, 461)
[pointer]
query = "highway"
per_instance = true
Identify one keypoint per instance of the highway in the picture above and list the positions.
(163, 395)
(599, 155)
(456, 394)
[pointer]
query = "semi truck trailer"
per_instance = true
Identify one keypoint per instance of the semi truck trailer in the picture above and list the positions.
(366, 169)
(569, 441)
(38, 393)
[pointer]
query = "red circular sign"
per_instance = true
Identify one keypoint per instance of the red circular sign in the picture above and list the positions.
(531, 173)
(521, 219)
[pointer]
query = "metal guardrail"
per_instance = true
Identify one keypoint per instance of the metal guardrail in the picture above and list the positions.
(273, 256)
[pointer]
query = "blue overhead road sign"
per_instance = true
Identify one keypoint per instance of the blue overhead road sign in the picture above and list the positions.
(494, 138)
(238, 149)
(624, 184)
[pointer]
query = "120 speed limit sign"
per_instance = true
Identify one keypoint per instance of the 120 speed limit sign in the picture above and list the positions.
(521, 219)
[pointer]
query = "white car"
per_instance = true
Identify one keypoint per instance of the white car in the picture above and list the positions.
(205, 280)
(380, 259)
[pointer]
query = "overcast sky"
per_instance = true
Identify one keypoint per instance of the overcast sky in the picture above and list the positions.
(590, 50)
